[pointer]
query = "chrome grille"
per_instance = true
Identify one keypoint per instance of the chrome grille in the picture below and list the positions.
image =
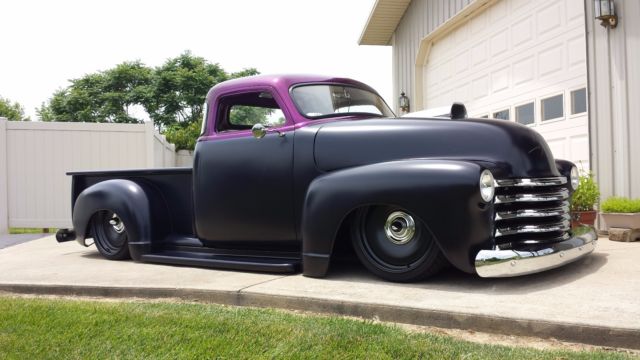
(531, 211)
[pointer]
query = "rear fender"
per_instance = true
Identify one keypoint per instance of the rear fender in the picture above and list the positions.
(444, 194)
(126, 198)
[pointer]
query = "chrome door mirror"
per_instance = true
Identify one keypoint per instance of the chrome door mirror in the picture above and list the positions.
(259, 131)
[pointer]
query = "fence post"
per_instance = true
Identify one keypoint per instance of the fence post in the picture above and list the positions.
(150, 140)
(4, 179)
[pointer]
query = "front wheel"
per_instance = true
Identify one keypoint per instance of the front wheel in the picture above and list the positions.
(394, 244)
(110, 235)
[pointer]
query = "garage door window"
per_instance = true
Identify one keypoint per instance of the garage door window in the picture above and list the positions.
(553, 108)
(502, 115)
(525, 114)
(579, 101)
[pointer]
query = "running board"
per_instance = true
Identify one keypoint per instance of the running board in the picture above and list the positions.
(229, 262)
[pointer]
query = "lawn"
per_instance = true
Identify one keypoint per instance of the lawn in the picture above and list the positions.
(28, 230)
(33, 328)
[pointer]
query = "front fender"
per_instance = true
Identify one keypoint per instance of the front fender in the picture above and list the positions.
(124, 197)
(444, 194)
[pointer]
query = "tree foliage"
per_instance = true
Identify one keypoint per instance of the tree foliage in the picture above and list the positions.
(172, 95)
(12, 110)
(105, 96)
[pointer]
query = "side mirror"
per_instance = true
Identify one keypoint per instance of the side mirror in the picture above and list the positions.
(258, 131)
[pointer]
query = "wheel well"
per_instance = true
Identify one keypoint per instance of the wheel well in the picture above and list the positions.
(342, 246)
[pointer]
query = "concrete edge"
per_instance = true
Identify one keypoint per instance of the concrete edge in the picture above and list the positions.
(586, 334)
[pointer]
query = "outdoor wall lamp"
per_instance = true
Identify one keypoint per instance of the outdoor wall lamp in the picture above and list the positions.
(403, 101)
(605, 11)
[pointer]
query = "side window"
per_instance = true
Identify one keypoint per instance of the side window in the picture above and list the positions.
(501, 115)
(251, 115)
(525, 114)
(242, 111)
(579, 101)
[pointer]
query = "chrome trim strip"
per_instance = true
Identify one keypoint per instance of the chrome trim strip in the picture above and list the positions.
(563, 225)
(549, 181)
(507, 263)
(533, 213)
(539, 197)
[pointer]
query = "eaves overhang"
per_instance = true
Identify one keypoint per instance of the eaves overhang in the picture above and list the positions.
(382, 22)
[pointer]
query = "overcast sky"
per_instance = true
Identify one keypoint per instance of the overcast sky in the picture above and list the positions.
(45, 43)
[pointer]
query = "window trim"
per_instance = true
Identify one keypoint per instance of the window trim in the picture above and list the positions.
(222, 110)
(564, 106)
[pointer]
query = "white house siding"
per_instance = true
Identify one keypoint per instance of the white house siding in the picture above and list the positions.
(513, 53)
(614, 85)
(420, 18)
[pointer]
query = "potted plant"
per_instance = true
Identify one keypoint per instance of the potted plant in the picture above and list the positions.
(584, 200)
(621, 212)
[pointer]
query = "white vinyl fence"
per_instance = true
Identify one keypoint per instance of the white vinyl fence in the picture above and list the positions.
(35, 156)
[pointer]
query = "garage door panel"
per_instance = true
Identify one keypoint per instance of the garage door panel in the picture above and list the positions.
(515, 52)
(549, 17)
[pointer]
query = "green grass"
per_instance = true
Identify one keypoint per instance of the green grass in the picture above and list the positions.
(70, 329)
(620, 205)
(29, 231)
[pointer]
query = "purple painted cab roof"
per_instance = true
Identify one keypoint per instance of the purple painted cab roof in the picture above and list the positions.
(282, 83)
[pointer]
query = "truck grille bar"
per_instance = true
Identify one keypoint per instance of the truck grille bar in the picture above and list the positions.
(531, 211)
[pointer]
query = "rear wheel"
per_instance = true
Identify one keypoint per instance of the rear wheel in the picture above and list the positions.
(394, 244)
(110, 235)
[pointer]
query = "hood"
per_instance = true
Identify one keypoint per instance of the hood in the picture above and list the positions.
(509, 149)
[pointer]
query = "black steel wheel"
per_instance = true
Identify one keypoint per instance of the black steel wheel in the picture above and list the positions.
(110, 235)
(394, 244)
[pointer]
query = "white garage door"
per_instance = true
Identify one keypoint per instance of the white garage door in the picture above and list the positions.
(520, 60)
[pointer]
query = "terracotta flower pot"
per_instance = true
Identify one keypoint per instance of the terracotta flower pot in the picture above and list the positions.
(621, 220)
(583, 218)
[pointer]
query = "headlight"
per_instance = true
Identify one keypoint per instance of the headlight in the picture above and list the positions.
(487, 186)
(574, 178)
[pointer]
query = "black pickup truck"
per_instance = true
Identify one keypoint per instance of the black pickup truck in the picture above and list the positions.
(290, 170)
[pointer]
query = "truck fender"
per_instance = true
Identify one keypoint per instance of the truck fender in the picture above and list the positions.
(126, 198)
(444, 194)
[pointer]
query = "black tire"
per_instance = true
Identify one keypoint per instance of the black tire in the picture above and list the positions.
(110, 238)
(392, 256)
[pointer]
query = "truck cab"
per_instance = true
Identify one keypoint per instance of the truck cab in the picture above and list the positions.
(288, 168)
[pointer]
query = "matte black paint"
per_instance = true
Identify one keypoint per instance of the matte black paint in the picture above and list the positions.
(442, 193)
(243, 192)
(251, 199)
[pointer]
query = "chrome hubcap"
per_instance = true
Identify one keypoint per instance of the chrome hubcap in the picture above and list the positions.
(400, 227)
(117, 224)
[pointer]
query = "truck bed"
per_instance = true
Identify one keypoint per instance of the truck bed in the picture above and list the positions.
(174, 185)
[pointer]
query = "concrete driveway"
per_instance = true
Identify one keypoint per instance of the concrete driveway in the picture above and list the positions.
(595, 300)
(15, 239)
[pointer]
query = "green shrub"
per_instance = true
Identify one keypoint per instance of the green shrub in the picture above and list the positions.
(620, 205)
(587, 194)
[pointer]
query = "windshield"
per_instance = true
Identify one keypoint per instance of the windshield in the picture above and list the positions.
(321, 101)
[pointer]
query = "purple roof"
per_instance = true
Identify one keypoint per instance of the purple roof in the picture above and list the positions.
(281, 82)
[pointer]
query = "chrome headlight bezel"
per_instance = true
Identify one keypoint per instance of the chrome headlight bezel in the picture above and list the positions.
(487, 186)
(574, 178)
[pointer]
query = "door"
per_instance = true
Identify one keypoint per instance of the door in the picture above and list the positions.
(521, 61)
(243, 194)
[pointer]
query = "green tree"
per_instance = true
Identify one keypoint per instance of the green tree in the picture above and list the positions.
(172, 95)
(179, 88)
(105, 96)
(12, 110)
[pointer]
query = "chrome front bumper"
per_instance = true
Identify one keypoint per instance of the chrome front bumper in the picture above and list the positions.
(507, 263)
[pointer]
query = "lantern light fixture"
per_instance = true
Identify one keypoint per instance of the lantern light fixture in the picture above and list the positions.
(403, 102)
(605, 11)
